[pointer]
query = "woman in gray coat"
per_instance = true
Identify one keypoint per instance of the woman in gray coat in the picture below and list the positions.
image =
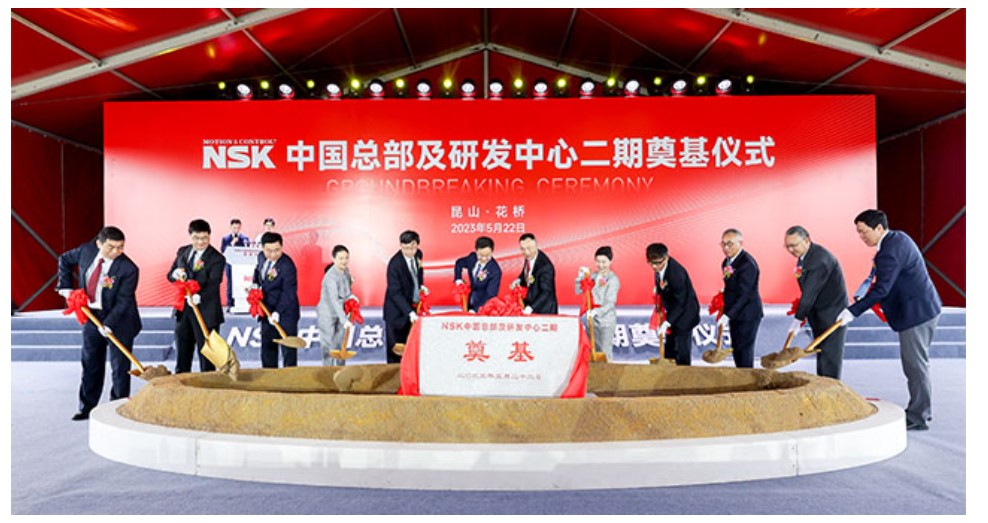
(333, 322)
(605, 293)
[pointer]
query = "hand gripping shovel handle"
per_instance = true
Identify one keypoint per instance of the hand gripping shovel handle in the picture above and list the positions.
(97, 323)
(202, 322)
(276, 325)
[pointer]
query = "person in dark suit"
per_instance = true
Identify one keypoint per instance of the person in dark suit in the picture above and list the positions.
(742, 303)
(278, 280)
(823, 296)
(673, 283)
(539, 275)
(110, 280)
(234, 239)
(911, 305)
(401, 297)
(483, 272)
(201, 262)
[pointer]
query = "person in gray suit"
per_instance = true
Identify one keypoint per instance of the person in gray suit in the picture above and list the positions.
(605, 293)
(824, 296)
(336, 289)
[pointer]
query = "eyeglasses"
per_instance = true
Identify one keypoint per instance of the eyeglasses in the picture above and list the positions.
(793, 245)
(730, 243)
(657, 263)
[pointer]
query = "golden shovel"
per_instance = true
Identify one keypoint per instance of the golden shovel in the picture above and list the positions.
(717, 355)
(216, 349)
(293, 342)
(789, 355)
(145, 373)
(342, 353)
(595, 355)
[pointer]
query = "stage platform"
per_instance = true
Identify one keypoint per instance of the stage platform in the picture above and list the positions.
(52, 336)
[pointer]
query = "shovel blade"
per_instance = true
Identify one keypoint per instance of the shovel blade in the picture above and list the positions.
(292, 342)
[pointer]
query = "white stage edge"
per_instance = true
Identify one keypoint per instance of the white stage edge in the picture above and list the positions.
(543, 466)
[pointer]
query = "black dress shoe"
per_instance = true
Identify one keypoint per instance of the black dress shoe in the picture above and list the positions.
(81, 415)
(911, 425)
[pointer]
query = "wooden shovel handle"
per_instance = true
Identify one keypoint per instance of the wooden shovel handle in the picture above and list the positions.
(789, 338)
(819, 339)
(276, 325)
(346, 334)
(202, 322)
(97, 323)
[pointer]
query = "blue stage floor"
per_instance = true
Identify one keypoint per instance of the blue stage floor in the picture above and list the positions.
(54, 472)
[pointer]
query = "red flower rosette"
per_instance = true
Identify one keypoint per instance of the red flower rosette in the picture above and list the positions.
(351, 308)
(254, 298)
(461, 293)
(506, 305)
(182, 288)
(586, 285)
(77, 301)
(423, 307)
(717, 305)
(795, 306)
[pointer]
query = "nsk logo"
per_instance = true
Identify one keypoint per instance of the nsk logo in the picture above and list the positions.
(236, 157)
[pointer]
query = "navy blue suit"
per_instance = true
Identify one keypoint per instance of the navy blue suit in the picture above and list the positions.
(824, 295)
(542, 289)
(400, 297)
(743, 307)
(280, 295)
(682, 311)
(911, 306)
(188, 334)
(119, 313)
(481, 291)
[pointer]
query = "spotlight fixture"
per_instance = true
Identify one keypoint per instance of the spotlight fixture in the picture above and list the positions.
(678, 87)
(632, 88)
(724, 87)
(244, 92)
(376, 89)
(286, 92)
(749, 84)
(221, 85)
(610, 86)
(657, 82)
(495, 90)
(333, 91)
(310, 84)
(519, 86)
(447, 88)
(265, 85)
(468, 90)
(400, 88)
(423, 90)
(562, 87)
(540, 89)
(587, 87)
(356, 86)
(701, 86)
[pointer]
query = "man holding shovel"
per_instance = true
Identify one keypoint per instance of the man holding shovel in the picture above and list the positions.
(201, 262)
(278, 280)
(110, 280)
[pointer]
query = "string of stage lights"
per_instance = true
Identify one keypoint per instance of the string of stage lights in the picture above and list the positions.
(561, 88)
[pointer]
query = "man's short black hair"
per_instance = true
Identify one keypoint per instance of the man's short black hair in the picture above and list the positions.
(110, 233)
(266, 220)
(340, 248)
(656, 251)
(799, 231)
(199, 225)
(236, 221)
(873, 218)
(271, 237)
(526, 236)
(409, 237)
(483, 242)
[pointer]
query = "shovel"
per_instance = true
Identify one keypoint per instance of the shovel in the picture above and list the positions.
(342, 353)
(595, 355)
(216, 349)
(789, 355)
(145, 373)
(293, 342)
(717, 355)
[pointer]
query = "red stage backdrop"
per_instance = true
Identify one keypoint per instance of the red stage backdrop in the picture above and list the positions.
(578, 174)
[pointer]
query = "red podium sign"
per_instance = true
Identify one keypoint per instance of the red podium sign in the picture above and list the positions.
(496, 356)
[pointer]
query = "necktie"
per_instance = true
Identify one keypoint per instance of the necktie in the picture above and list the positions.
(524, 274)
(93, 282)
(415, 280)
(476, 272)
(264, 273)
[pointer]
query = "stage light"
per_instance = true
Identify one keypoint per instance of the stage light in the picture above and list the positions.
(423, 89)
(724, 86)
(749, 84)
(610, 86)
(678, 87)
(701, 86)
(495, 90)
(632, 88)
(657, 81)
(221, 85)
(285, 92)
(562, 87)
(540, 89)
(333, 91)
(265, 86)
(518, 86)
(587, 88)
(310, 84)
(447, 88)
(244, 92)
(611, 82)
(468, 90)
(400, 88)
(376, 89)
